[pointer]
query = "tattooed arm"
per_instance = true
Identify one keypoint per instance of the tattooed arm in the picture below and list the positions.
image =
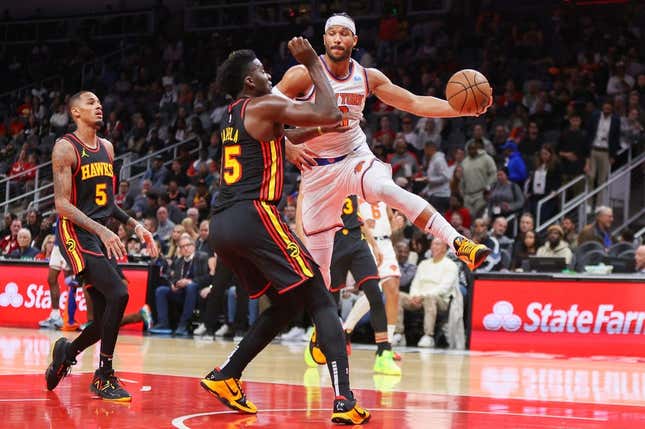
(63, 161)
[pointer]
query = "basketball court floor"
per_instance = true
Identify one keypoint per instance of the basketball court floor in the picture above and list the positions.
(438, 389)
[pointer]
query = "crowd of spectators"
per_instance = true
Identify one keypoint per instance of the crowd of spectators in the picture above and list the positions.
(569, 91)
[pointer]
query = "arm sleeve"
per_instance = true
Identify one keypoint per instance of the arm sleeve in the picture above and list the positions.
(120, 215)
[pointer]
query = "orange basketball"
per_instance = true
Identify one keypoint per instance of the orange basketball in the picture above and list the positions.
(468, 92)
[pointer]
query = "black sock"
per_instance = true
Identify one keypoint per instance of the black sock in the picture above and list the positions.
(105, 364)
(380, 347)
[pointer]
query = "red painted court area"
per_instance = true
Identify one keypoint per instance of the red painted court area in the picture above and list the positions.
(162, 401)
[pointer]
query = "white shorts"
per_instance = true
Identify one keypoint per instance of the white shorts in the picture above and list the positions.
(56, 260)
(325, 188)
(390, 266)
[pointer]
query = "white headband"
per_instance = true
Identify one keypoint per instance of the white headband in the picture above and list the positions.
(341, 20)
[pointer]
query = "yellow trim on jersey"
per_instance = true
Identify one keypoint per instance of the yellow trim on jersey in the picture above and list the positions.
(71, 245)
(292, 247)
(274, 170)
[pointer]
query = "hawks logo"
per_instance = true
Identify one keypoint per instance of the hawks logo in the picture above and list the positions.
(70, 244)
(293, 249)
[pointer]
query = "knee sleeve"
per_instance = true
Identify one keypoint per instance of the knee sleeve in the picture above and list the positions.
(378, 187)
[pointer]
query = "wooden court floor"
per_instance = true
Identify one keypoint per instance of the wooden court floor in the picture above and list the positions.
(438, 389)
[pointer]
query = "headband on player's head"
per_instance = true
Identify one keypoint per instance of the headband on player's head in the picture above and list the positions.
(341, 20)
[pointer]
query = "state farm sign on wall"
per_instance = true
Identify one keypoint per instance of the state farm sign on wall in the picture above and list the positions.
(579, 318)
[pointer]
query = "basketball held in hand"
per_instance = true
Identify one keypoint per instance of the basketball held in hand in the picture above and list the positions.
(468, 92)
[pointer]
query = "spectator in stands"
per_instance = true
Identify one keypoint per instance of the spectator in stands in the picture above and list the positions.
(639, 259)
(527, 223)
(6, 226)
(545, 179)
(479, 137)
(123, 198)
(173, 243)
(190, 228)
(164, 225)
(175, 214)
(505, 197)
(573, 148)
(430, 132)
(527, 247)
(604, 134)
(22, 177)
(404, 163)
(437, 190)
(201, 199)
(530, 144)
(619, 82)
(569, 230)
(193, 213)
(24, 250)
(499, 137)
(498, 232)
(457, 222)
(157, 173)
(385, 128)
(435, 280)
(140, 205)
(479, 175)
(517, 171)
(415, 144)
(201, 244)
(190, 273)
(46, 248)
(408, 270)
(419, 246)
(59, 120)
(133, 247)
(480, 235)
(175, 195)
(178, 175)
(456, 182)
(555, 245)
(10, 242)
(600, 229)
(456, 205)
(32, 222)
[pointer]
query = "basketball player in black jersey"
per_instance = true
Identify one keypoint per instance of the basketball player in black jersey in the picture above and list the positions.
(249, 236)
(351, 253)
(84, 179)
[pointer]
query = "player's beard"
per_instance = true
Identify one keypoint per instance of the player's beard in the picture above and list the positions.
(343, 57)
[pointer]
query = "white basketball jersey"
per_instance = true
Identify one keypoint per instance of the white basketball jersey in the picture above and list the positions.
(351, 93)
(375, 217)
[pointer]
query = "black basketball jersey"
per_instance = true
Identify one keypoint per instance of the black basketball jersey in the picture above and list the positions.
(249, 169)
(351, 218)
(93, 179)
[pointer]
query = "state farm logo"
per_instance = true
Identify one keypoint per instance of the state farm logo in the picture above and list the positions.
(502, 317)
(11, 296)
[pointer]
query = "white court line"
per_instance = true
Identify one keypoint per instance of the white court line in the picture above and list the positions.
(24, 400)
(178, 422)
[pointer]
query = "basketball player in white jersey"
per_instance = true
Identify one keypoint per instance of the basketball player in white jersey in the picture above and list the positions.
(345, 164)
(377, 218)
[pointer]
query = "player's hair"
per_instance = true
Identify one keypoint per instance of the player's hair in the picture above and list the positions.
(73, 100)
(231, 74)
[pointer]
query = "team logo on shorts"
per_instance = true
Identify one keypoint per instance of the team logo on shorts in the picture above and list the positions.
(293, 249)
(70, 244)
(359, 167)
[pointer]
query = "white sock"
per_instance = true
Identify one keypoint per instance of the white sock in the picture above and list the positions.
(441, 228)
(360, 309)
(55, 313)
(390, 333)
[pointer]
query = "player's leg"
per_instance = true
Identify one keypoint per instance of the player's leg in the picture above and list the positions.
(56, 265)
(321, 248)
(391, 292)
(376, 184)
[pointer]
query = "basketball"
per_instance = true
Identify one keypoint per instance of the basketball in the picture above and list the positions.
(468, 92)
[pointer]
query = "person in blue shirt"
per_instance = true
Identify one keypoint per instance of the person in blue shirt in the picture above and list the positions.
(25, 249)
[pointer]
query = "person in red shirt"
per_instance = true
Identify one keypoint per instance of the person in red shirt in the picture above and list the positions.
(10, 242)
(456, 205)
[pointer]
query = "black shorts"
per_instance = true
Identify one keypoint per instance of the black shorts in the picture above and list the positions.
(251, 239)
(75, 243)
(351, 253)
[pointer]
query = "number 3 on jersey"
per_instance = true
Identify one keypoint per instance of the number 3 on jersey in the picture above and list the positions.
(232, 167)
(348, 207)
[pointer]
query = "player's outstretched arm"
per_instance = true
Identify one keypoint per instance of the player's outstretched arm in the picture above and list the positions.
(63, 160)
(402, 99)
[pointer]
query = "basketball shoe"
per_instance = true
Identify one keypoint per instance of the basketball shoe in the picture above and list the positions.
(471, 253)
(384, 364)
(314, 356)
(348, 412)
(108, 387)
(60, 365)
(228, 391)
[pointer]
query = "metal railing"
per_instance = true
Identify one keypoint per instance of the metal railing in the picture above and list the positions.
(579, 202)
(561, 192)
(142, 164)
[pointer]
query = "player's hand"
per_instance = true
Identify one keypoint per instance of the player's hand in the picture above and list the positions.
(112, 243)
(146, 237)
(302, 51)
(300, 156)
(490, 103)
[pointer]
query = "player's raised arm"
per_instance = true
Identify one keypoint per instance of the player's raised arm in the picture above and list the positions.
(402, 99)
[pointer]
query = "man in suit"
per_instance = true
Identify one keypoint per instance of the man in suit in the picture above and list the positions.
(189, 274)
(604, 135)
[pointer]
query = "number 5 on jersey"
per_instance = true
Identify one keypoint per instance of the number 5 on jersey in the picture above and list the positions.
(100, 194)
(232, 171)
